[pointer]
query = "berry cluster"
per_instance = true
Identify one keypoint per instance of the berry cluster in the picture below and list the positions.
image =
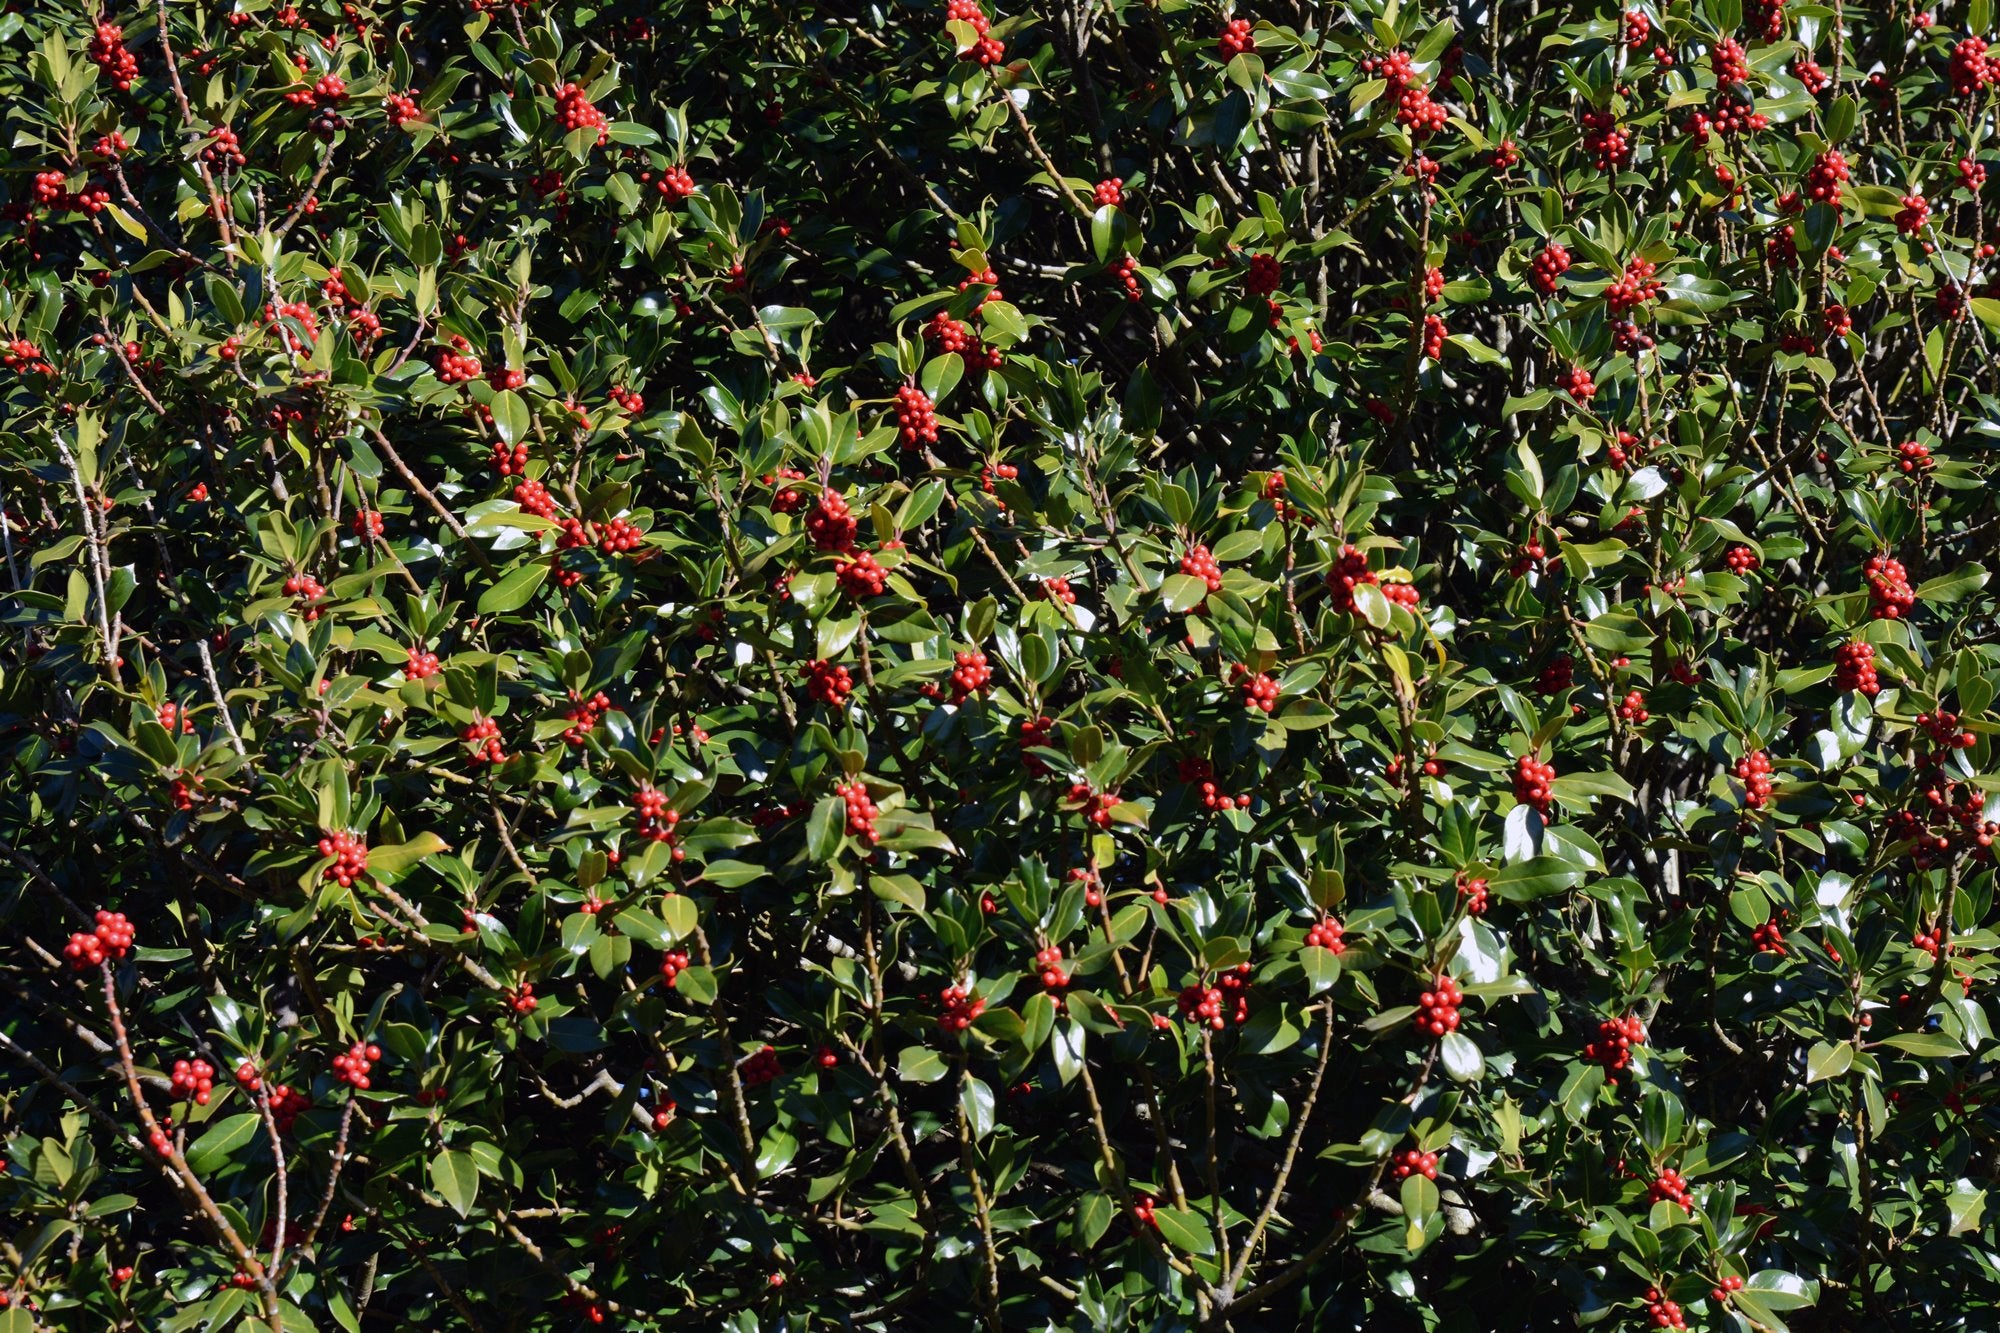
(193, 1080)
(1913, 456)
(1609, 146)
(1809, 73)
(1432, 336)
(1970, 69)
(1532, 779)
(286, 1103)
(1197, 770)
(656, 822)
(1205, 1006)
(483, 735)
(618, 537)
(1613, 1047)
(575, 111)
(959, 1006)
(1036, 734)
(1634, 287)
(1198, 563)
(1577, 383)
(513, 462)
(1263, 276)
(1890, 596)
(1048, 965)
(916, 417)
(1753, 770)
(627, 399)
(1235, 39)
(1669, 1186)
(785, 499)
(1473, 893)
(1632, 708)
(352, 1068)
(1943, 731)
(222, 149)
(969, 675)
(522, 998)
(861, 576)
(1769, 938)
(456, 363)
(1720, 1293)
(830, 525)
(349, 855)
(1914, 215)
(759, 1067)
(308, 591)
(421, 665)
(1349, 572)
(1326, 934)
(1109, 192)
(827, 683)
(861, 812)
(1437, 1008)
(1260, 692)
(1414, 1163)
(583, 715)
(673, 964)
(1827, 174)
(24, 358)
(1094, 806)
(1661, 1312)
(401, 108)
(1854, 669)
(108, 53)
(1126, 271)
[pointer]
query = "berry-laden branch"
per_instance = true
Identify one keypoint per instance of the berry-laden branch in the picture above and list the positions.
(175, 1165)
(505, 502)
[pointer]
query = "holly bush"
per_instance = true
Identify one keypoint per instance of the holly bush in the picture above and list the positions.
(803, 664)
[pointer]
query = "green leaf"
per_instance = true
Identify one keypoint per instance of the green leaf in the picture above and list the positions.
(1322, 968)
(1828, 1060)
(920, 1064)
(825, 827)
(1373, 606)
(515, 590)
(1966, 1205)
(1461, 1058)
(1536, 877)
(455, 1178)
(1962, 582)
(680, 915)
(393, 862)
(1778, 1290)
(1184, 1230)
(1094, 1212)
(1927, 1045)
(1179, 592)
(510, 417)
(221, 1140)
(975, 1099)
(1420, 1206)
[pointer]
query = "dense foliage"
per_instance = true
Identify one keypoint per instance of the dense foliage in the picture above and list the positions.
(811, 664)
